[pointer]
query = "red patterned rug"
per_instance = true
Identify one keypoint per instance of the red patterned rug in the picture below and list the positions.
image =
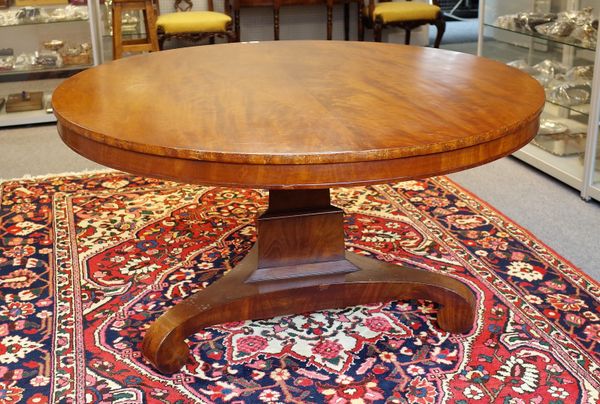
(88, 260)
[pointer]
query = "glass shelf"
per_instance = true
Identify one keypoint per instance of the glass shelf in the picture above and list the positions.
(567, 169)
(560, 40)
(42, 23)
(506, 48)
(43, 115)
(49, 69)
(562, 157)
(42, 73)
(583, 109)
(50, 14)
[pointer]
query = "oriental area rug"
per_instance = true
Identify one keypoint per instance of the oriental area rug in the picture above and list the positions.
(88, 261)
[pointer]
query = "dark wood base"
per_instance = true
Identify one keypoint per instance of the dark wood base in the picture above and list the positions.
(299, 265)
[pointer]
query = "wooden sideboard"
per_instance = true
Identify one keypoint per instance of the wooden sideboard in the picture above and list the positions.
(276, 4)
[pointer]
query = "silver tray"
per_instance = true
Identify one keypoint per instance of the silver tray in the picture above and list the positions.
(562, 144)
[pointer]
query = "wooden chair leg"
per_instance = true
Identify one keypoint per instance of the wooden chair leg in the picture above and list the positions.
(346, 21)
(232, 37)
(150, 23)
(276, 23)
(361, 23)
(117, 31)
(377, 28)
(440, 25)
(329, 19)
(236, 20)
(407, 37)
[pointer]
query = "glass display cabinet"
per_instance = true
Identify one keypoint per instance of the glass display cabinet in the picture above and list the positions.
(41, 43)
(556, 42)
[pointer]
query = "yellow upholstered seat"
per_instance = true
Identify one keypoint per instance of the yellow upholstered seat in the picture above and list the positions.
(404, 14)
(195, 25)
(193, 21)
(405, 11)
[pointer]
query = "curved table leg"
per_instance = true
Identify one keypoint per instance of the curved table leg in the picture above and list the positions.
(294, 269)
(231, 299)
(393, 282)
(164, 344)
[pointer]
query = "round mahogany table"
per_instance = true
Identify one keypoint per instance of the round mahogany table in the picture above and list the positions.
(297, 118)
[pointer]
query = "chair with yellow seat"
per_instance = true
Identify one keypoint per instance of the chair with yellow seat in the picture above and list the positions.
(404, 14)
(195, 25)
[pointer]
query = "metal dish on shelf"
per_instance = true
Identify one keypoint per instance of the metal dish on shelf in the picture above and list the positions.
(550, 68)
(569, 94)
(522, 65)
(529, 21)
(54, 44)
(550, 127)
(7, 63)
(580, 73)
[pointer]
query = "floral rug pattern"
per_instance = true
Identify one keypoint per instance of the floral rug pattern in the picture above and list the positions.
(87, 262)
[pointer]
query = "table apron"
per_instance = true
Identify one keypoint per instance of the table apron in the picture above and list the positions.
(296, 176)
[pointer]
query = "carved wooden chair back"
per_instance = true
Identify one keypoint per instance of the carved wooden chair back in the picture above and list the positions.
(121, 44)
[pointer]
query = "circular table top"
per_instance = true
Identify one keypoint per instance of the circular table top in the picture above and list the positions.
(298, 114)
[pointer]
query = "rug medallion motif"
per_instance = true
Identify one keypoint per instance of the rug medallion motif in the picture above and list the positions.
(87, 262)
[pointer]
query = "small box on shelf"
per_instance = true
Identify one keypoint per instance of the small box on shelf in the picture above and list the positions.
(25, 101)
(80, 54)
(74, 60)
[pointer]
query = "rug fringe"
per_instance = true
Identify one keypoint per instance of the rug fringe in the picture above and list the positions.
(62, 174)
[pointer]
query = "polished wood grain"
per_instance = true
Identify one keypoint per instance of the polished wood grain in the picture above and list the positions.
(299, 103)
(298, 118)
(301, 236)
(302, 232)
